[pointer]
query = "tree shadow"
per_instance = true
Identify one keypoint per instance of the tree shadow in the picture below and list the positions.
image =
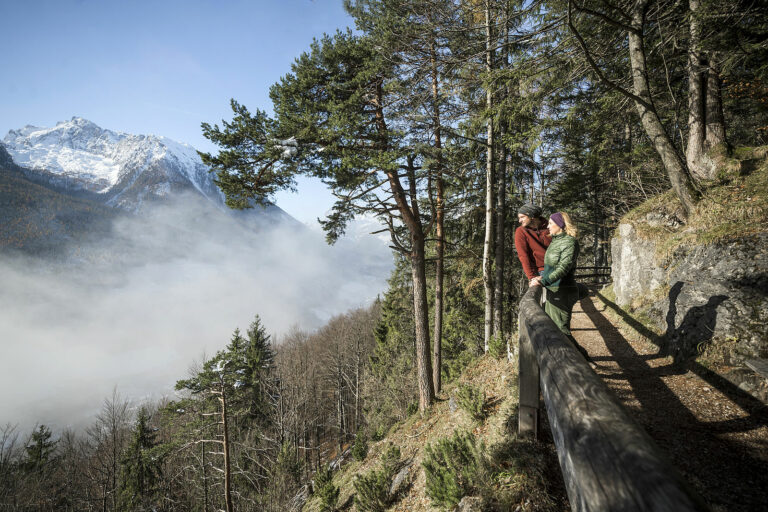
(695, 331)
(718, 468)
(747, 402)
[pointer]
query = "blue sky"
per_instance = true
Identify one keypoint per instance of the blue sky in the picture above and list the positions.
(156, 67)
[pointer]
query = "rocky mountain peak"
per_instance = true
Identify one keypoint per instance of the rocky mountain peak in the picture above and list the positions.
(126, 169)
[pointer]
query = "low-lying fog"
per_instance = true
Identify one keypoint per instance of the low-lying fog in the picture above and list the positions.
(134, 311)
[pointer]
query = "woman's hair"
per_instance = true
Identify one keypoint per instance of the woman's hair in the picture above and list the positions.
(570, 227)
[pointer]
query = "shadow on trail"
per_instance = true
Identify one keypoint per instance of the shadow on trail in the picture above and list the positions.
(717, 468)
(754, 407)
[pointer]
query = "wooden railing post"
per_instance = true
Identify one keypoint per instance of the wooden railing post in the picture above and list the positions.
(528, 372)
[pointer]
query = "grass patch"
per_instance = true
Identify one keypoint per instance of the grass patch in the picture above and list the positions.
(734, 205)
(520, 471)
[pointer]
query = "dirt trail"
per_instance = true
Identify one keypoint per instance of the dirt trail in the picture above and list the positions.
(713, 432)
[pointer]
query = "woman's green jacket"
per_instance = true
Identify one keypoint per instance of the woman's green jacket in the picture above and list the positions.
(560, 262)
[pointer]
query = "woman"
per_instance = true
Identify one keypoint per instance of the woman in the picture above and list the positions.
(558, 275)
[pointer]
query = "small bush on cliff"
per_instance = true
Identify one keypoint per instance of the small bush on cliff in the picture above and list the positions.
(497, 347)
(360, 448)
(372, 488)
(328, 493)
(452, 467)
(472, 400)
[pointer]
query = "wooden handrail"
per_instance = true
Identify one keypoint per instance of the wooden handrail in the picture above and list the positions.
(608, 461)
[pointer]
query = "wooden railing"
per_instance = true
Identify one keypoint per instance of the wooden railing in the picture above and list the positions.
(593, 274)
(608, 461)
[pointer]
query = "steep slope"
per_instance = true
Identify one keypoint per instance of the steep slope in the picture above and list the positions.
(509, 473)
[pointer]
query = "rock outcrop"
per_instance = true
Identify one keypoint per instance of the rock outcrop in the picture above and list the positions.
(699, 297)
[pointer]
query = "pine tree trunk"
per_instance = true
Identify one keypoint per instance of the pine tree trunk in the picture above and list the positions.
(227, 471)
(489, 182)
(673, 163)
(596, 218)
(697, 82)
(205, 477)
(501, 206)
(357, 383)
(498, 300)
(437, 351)
(420, 311)
(716, 135)
(420, 306)
(340, 407)
(412, 220)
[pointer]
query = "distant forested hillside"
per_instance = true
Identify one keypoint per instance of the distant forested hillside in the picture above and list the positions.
(40, 220)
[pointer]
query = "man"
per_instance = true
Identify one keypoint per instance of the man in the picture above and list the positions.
(531, 240)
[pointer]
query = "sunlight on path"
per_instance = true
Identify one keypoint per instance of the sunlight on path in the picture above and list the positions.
(716, 435)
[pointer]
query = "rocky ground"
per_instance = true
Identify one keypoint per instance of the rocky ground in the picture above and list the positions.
(714, 432)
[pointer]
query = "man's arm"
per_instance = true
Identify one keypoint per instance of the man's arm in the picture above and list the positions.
(524, 254)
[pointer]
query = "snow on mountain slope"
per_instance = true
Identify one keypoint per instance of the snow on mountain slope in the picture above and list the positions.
(127, 169)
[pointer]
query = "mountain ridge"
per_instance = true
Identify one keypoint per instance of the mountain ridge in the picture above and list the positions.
(124, 169)
(68, 183)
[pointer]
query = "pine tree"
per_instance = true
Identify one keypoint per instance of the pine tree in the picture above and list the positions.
(235, 384)
(141, 467)
(335, 120)
(40, 450)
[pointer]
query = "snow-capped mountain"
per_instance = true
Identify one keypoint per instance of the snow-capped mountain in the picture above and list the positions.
(124, 170)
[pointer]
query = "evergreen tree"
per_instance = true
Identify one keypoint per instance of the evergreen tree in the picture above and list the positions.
(234, 384)
(336, 118)
(40, 451)
(140, 467)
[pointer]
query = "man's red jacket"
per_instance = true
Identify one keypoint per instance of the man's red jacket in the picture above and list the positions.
(531, 245)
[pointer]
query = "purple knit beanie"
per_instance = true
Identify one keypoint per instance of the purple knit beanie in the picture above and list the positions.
(557, 218)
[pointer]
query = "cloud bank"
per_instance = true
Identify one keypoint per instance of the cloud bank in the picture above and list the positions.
(135, 310)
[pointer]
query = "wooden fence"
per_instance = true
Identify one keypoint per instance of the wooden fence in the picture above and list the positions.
(593, 274)
(608, 461)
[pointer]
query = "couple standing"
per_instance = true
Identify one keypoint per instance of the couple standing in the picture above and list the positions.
(548, 251)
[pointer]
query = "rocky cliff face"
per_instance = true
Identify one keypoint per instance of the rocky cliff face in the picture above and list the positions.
(703, 296)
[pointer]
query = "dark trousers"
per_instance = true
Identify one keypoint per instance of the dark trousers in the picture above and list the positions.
(559, 306)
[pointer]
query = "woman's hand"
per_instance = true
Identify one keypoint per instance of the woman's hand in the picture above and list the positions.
(536, 281)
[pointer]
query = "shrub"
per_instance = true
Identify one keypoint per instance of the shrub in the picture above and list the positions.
(372, 491)
(497, 347)
(452, 467)
(328, 493)
(372, 488)
(390, 459)
(379, 433)
(360, 448)
(472, 400)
